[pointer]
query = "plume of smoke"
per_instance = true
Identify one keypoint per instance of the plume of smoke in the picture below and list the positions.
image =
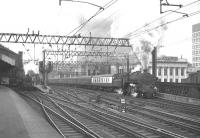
(150, 40)
(146, 50)
(155, 39)
(159, 32)
(98, 28)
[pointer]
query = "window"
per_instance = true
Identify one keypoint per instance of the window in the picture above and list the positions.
(176, 80)
(121, 70)
(171, 80)
(165, 80)
(159, 80)
(176, 71)
(159, 71)
(182, 71)
(165, 71)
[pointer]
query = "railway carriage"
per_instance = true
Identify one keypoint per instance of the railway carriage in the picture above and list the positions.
(106, 82)
(144, 83)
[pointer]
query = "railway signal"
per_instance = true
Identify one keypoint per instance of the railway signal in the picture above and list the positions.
(123, 104)
(49, 66)
(41, 69)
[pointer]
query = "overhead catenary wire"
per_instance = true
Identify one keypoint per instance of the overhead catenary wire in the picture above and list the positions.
(115, 13)
(106, 6)
(27, 51)
(158, 19)
(81, 2)
(77, 29)
(169, 22)
(97, 13)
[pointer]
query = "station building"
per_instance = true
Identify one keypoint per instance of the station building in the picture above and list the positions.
(11, 64)
(170, 69)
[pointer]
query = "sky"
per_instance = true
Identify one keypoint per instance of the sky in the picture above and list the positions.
(122, 18)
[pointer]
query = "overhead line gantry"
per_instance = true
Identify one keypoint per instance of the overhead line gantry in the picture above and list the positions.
(84, 53)
(75, 40)
(63, 40)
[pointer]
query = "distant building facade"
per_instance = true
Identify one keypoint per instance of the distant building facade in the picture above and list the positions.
(196, 45)
(170, 69)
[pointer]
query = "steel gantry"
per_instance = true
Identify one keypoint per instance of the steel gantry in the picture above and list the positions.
(63, 40)
(118, 58)
(66, 42)
(68, 54)
(66, 65)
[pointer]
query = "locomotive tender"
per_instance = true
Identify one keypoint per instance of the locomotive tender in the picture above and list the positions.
(141, 83)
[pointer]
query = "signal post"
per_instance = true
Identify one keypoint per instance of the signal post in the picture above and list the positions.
(45, 69)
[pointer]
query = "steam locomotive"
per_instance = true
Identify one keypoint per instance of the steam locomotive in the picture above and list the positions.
(137, 83)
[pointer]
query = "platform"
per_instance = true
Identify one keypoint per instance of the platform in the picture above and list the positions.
(19, 120)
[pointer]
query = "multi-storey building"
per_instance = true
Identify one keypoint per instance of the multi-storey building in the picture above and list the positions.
(171, 69)
(196, 45)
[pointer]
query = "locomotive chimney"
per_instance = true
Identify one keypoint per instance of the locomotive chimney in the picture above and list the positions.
(145, 70)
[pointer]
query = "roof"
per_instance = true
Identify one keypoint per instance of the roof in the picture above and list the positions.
(171, 59)
(7, 50)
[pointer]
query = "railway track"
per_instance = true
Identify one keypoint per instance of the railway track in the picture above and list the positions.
(171, 106)
(147, 131)
(190, 111)
(176, 106)
(185, 131)
(66, 127)
(110, 130)
(170, 121)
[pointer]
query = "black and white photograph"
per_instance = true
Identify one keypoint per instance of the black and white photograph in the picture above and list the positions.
(100, 69)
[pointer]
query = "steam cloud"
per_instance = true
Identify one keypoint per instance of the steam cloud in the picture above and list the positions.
(146, 45)
(98, 28)
(146, 48)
